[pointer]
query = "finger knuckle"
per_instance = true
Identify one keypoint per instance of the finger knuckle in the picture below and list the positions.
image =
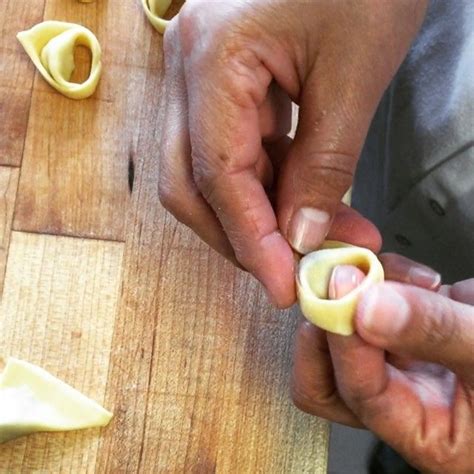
(334, 170)
(178, 200)
(205, 179)
(247, 79)
(243, 256)
(168, 196)
(304, 402)
(192, 17)
(241, 72)
(439, 326)
(360, 396)
(300, 400)
(439, 457)
(366, 402)
(313, 400)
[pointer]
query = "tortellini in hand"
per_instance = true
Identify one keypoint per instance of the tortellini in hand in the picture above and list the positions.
(50, 45)
(313, 278)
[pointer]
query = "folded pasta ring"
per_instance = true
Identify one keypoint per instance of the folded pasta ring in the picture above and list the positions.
(50, 45)
(154, 10)
(313, 277)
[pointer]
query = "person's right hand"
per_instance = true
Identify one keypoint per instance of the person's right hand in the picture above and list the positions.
(407, 374)
(228, 170)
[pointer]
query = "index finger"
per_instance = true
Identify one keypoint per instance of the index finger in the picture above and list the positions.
(313, 387)
(375, 391)
(226, 147)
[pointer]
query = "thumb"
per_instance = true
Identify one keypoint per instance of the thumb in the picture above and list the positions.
(344, 279)
(418, 323)
(320, 165)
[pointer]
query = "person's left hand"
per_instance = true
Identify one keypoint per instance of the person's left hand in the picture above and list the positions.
(407, 374)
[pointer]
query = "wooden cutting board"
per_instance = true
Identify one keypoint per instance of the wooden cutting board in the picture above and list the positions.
(108, 292)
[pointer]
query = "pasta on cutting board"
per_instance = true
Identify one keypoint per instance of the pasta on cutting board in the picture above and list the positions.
(33, 400)
(50, 45)
(154, 10)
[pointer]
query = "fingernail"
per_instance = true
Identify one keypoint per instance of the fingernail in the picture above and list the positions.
(309, 228)
(344, 279)
(383, 312)
(424, 277)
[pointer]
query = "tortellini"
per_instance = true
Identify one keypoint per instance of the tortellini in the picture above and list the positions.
(154, 10)
(50, 45)
(313, 277)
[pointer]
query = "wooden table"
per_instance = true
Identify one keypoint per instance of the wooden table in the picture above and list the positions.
(107, 291)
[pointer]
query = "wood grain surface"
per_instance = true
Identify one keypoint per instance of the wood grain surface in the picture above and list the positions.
(201, 362)
(107, 291)
(8, 189)
(58, 311)
(75, 172)
(16, 77)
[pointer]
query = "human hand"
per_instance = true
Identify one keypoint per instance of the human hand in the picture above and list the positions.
(408, 372)
(228, 170)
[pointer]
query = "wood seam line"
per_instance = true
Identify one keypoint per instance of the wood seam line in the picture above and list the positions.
(11, 230)
(81, 237)
(35, 73)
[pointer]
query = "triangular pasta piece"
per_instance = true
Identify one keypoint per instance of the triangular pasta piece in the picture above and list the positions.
(32, 400)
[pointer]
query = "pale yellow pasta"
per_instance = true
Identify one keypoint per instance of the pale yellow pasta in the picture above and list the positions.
(50, 45)
(154, 10)
(313, 277)
(32, 400)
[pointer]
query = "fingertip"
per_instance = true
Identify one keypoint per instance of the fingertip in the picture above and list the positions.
(344, 279)
(275, 269)
(463, 291)
(402, 269)
(279, 300)
(382, 313)
(424, 277)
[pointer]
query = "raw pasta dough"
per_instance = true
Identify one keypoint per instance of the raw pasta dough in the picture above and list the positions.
(50, 45)
(313, 277)
(154, 10)
(32, 400)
